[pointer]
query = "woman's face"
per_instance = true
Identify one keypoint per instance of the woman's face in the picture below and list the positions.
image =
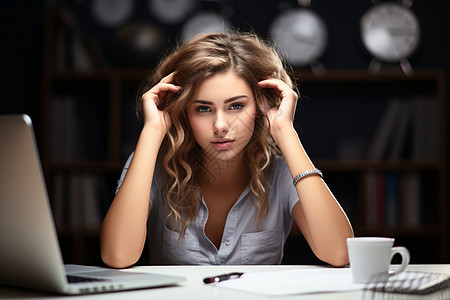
(222, 116)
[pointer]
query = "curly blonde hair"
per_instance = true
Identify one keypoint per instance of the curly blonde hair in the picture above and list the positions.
(253, 60)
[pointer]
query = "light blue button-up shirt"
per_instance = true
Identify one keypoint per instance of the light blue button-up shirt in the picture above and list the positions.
(243, 241)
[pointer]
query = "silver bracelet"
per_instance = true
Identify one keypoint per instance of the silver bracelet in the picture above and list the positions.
(307, 173)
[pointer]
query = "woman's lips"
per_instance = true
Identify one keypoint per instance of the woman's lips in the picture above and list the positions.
(223, 144)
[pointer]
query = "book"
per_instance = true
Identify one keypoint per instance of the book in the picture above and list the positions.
(391, 199)
(424, 137)
(66, 134)
(400, 131)
(410, 202)
(370, 183)
(391, 136)
(380, 199)
(384, 132)
(84, 203)
(91, 215)
(58, 200)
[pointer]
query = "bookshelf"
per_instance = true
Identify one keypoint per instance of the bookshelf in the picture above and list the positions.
(418, 215)
(101, 102)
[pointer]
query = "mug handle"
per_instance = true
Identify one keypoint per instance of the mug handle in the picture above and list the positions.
(404, 253)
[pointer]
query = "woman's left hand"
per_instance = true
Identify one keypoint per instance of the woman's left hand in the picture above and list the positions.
(281, 117)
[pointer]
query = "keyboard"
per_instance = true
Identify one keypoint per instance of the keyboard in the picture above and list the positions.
(80, 279)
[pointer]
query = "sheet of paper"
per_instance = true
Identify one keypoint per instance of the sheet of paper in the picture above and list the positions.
(295, 281)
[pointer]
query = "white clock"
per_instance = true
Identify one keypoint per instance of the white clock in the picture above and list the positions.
(390, 32)
(111, 13)
(171, 11)
(204, 22)
(300, 35)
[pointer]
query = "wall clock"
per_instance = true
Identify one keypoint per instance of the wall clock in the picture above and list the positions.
(213, 16)
(301, 36)
(390, 33)
(171, 11)
(111, 13)
(204, 22)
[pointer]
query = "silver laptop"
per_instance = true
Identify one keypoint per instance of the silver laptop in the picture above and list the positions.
(30, 256)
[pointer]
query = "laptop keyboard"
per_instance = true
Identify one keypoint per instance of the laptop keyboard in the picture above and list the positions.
(80, 279)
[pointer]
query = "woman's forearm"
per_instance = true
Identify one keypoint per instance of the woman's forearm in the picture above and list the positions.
(124, 228)
(318, 214)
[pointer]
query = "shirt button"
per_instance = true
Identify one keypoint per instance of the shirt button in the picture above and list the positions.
(227, 243)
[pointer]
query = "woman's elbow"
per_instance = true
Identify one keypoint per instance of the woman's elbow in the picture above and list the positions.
(116, 259)
(338, 259)
(336, 256)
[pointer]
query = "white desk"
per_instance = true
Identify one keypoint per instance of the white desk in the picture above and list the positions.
(194, 288)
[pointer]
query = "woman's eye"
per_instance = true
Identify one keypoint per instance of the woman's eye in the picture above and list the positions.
(235, 106)
(203, 109)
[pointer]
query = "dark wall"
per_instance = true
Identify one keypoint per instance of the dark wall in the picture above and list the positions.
(21, 29)
(20, 56)
(21, 38)
(342, 19)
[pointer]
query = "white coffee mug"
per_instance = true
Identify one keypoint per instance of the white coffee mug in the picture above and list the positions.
(370, 258)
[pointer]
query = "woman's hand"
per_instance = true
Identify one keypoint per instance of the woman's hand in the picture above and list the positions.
(281, 117)
(153, 116)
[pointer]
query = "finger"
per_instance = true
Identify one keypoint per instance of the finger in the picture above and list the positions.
(164, 87)
(278, 85)
(272, 83)
(289, 97)
(155, 91)
(168, 78)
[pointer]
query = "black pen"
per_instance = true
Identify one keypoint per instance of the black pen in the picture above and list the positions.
(223, 277)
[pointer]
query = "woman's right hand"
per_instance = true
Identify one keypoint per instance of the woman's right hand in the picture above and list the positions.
(153, 116)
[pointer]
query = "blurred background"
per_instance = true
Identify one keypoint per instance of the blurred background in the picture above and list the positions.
(378, 131)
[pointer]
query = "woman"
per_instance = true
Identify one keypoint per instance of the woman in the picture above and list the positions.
(211, 178)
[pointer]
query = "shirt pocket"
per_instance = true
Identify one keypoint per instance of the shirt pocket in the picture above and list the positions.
(180, 250)
(263, 247)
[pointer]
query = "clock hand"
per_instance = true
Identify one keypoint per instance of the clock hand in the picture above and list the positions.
(400, 31)
(304, 40)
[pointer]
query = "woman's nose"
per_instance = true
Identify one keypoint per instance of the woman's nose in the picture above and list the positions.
(221, 125)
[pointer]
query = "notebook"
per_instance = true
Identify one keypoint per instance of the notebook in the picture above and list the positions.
(30, 256)
(322, 279)
(413, 282)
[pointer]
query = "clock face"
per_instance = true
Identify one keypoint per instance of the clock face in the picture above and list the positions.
(390, 32)
(300, 35)
(204, 22)
(111, 13)
(171, 11)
